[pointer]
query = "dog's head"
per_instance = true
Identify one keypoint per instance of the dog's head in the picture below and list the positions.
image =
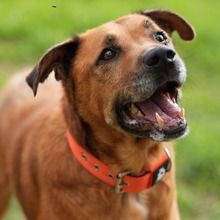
(124, 74)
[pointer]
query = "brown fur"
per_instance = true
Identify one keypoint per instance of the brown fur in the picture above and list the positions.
(35, 157)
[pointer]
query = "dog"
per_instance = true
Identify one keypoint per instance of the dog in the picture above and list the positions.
(99, 144)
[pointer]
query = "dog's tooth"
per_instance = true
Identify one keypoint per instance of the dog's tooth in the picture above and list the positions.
(182, 113)
(159, 120)
(140, 114)
(134, 109)
(167, 94)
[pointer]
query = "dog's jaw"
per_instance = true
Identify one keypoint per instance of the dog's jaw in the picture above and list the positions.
(158, 136)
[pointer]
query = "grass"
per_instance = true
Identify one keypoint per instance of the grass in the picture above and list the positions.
(28, 28)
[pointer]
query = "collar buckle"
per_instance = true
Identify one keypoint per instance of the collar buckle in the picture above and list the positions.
(120, 183)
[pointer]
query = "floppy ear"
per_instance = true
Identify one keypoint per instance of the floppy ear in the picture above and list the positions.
(170, 22)
(57, 59)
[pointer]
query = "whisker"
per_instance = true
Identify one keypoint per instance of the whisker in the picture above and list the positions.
(189, 56)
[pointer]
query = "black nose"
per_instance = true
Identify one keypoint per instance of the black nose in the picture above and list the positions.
(161, 57)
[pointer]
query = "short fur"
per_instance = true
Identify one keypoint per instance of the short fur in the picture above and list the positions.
(35, 159)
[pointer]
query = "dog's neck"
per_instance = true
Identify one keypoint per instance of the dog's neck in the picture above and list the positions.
(127, 153)
(119, 151)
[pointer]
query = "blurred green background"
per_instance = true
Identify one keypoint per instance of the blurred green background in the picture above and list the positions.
(28, 28)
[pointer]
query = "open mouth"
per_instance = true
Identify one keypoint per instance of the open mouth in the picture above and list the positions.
(158, 117)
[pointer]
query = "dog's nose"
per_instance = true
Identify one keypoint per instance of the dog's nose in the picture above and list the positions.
(161, 56)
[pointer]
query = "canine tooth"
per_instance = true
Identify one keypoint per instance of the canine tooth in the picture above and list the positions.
(182, 113)
(159, 120)
(134, 109)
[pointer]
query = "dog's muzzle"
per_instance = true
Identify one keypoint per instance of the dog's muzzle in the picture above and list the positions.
(152, 110)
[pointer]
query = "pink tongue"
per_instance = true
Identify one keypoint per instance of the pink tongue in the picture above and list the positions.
(161, 104)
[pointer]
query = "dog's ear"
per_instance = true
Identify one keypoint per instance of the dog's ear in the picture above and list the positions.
(170, 22)
(57, 59)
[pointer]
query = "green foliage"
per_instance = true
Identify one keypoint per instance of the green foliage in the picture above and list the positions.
(28, 28)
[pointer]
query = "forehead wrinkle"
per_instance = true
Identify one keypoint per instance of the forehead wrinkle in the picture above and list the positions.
(148, 23)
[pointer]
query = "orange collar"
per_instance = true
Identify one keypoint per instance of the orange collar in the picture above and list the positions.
(121, 181)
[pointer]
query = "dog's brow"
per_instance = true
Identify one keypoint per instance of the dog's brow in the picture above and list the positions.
(147, 24)
(110, 39)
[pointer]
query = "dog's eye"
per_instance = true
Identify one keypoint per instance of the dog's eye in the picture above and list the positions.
(160, 37)
(107, 54)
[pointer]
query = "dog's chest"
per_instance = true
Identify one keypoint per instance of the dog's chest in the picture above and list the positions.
(115, 206)
(129, 207)
(136, 209)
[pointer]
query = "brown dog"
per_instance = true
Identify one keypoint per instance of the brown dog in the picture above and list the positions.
(96, 150)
